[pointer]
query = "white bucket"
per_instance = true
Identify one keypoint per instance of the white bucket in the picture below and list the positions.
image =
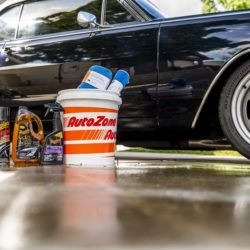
(90, 126)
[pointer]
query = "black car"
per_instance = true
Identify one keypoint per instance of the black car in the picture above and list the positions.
(190, 75)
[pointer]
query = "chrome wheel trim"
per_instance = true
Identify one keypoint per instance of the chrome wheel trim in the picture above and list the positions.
(239, 106)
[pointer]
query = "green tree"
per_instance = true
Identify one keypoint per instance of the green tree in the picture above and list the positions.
(210, 6)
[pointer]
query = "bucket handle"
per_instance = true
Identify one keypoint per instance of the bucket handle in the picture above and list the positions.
(39, 135)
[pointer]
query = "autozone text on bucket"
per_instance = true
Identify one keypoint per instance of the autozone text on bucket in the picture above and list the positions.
(100, 121)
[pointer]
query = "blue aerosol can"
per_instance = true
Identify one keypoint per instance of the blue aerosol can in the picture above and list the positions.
(120, 80)
(97, 77)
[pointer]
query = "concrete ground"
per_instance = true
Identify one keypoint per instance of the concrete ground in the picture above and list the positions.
(138, 205)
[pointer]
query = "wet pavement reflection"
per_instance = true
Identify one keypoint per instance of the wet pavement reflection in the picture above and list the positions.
(137, 205)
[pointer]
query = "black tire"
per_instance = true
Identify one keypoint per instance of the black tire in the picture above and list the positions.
(234, 109)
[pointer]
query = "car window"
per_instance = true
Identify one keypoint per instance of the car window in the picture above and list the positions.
(115, 13)
(51, 16)
(8, 23)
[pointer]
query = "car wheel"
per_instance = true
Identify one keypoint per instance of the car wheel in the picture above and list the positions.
(234, 109)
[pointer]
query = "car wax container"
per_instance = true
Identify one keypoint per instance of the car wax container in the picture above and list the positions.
(26, 142)
(52, 150)
(97, 77)
(4, 135)
(120, 80)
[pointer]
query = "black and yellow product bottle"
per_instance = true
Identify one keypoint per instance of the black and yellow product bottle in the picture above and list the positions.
(26, 143)
(4, 136)
(52, 151)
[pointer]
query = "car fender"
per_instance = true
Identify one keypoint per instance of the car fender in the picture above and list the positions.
(230, 64)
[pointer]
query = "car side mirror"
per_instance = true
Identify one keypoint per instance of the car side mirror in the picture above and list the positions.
(86, 20)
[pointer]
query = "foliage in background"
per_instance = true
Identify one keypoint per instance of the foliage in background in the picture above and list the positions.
(210, 6)
(197, 152)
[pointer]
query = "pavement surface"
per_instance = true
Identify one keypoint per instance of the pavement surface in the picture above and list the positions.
(138, 205)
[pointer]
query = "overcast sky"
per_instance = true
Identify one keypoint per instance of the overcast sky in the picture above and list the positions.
(184, 7)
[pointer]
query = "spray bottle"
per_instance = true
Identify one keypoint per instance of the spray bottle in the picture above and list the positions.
(4, 135)
(97, 77)
(26, 142)
(52, 150)
(120, 80)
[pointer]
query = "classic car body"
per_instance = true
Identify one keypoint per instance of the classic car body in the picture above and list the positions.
(178, 66)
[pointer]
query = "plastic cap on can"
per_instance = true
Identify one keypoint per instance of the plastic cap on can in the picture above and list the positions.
(122, 76)
(4, 113)
(102, 70)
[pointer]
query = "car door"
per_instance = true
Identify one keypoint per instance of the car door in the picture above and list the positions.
(8, 31)
(132, 45)
(38, 62)
(52, 52)
(186, 68)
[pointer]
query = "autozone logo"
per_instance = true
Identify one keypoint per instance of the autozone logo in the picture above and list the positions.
(100, 121)
(110, 135)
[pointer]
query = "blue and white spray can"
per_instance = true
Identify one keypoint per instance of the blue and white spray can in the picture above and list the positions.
(97, 77)
(120, 80)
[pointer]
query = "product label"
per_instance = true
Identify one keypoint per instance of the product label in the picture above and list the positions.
(4, 131)
(116, 87)
(92, 127)
(99, 121)
(27, 146)
(53, 151)
(4, 141)
(97, 80)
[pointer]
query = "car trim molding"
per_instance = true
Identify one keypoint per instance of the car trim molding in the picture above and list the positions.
(79, 32)
(19, 18)
(214, 83)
